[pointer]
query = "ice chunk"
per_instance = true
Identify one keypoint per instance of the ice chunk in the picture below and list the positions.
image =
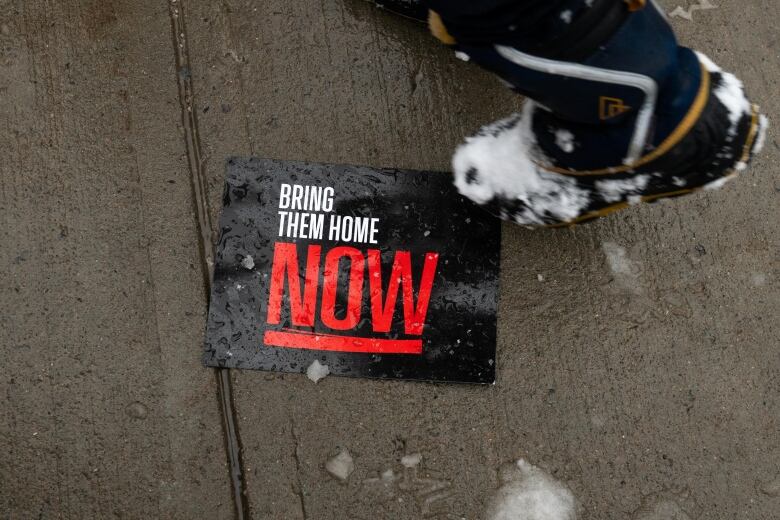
(341, 466)
(528, 493)
(619, 263)
(388, 475)
(410, 461)
(682, 13)
(317, 371)
(687, 14)
(625, 270)
(248, 262)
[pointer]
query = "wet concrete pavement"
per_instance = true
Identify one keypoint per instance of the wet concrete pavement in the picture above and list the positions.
(642, 370)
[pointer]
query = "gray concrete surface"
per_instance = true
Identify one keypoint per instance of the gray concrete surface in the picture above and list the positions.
(655, 384)
(105, 411)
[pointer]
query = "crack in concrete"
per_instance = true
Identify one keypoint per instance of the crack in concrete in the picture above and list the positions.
(296, 458)
(205, 245)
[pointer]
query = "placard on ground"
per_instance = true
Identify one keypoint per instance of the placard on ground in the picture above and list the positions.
(375, 273)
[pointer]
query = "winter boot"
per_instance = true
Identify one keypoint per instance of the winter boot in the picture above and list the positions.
(617, 112)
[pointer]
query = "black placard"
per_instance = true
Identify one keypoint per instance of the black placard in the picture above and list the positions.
(375, 273)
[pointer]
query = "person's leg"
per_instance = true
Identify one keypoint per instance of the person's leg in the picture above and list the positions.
(620, 113)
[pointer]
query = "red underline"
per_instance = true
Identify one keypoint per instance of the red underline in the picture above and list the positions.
(314, 341)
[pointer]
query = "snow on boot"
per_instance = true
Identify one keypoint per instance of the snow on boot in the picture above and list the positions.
(618, 112)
